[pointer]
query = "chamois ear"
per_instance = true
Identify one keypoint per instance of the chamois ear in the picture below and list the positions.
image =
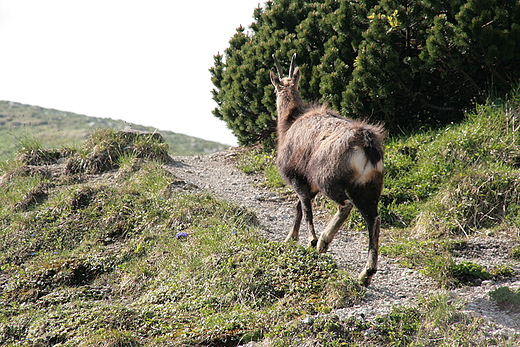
(296, 76)
(275, 80)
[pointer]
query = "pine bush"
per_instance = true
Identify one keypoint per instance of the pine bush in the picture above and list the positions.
(409, 64)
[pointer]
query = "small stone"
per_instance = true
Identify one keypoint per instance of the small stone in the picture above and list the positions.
(370, 332)
(308, 320)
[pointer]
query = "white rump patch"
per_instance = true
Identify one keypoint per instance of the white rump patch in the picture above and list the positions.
(363, 168)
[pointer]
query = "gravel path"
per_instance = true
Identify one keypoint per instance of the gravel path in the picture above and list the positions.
(392, 285)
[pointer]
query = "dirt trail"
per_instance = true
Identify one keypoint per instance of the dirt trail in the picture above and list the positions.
(392, 285)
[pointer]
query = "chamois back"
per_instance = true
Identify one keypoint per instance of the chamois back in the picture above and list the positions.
(322, 146)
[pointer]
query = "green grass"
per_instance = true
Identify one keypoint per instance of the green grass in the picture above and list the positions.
(437, 321)
(506, 298)
(514, 252)
(459, 179)
(435, 259)
(129, 260)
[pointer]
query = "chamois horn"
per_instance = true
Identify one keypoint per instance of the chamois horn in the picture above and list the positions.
(278, 68)
(291, 69)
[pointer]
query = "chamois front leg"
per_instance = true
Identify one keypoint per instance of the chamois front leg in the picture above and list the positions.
(303, 210)
(332, 228)
(374, 227)
(295, 231)
(307, 211)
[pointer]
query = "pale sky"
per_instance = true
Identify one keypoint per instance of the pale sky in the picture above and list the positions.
(145, 62)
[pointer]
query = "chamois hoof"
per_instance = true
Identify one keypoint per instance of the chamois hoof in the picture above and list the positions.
(322, 246)
(291, 239)
(313, 243)
(365, 278)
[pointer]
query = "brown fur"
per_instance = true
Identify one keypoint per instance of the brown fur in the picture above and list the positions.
(320, 151)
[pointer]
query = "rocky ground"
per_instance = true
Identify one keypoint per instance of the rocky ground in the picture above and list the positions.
(393, 285)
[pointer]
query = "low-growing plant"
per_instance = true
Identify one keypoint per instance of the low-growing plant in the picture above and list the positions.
(111, 337)
(103, 148)
(273, 177)
(444, 323)
(430, 257)
(254, 161)
(41, 278)
(325, 330)
(507, 298)
(245, 289)
(467, 272)
(438, 320)
(31, 151)
(400, 326)
(434, 259)
(258, 161)
(514, 252)
(478, 198)
(456, 180)
(16, 192)
(500, 272)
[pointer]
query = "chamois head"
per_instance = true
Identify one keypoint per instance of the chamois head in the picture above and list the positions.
(289, 103)
(289, 83)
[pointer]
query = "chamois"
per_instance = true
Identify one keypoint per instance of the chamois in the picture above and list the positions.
(320, 151)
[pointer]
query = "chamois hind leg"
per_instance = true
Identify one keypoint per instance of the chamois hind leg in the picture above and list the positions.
(373, 221)
(344, 207)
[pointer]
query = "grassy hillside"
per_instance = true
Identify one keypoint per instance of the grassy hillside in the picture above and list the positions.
(54, 128)
(109, 248)
(460, 179)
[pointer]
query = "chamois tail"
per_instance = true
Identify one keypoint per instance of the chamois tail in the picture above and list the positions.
(372, 139)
